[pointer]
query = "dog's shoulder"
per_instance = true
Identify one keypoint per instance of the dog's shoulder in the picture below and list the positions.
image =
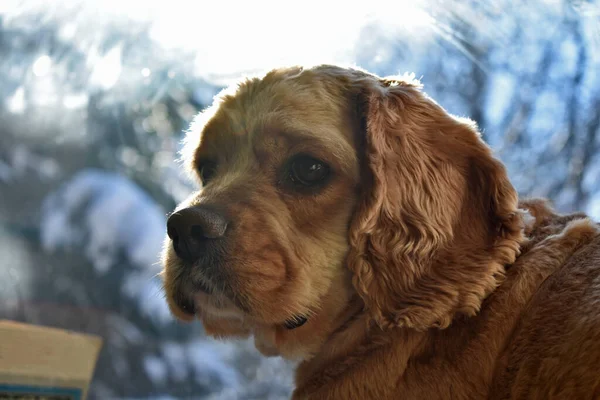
(554, 350)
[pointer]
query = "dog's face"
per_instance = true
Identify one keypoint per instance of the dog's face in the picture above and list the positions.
(278, 170)
(324, 192)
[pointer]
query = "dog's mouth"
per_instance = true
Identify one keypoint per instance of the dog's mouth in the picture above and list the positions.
(184, 298)
(295, 322)
(204, 297)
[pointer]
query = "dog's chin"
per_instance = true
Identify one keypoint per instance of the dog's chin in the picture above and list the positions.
(216, 309)
(288, 336)
(216, 306)
(219, 307)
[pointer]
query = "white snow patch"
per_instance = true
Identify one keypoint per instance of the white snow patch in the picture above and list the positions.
(593, 208)
(156, 369)
(5, 172)
(206, 360)
(591, 176)
(176, 360)
(106, 214)
(16, 103)
(146, 288)
(17, 272)
(502, 88)
(22, 161)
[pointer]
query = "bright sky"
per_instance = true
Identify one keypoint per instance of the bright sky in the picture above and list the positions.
(230, 37)
(259, 34)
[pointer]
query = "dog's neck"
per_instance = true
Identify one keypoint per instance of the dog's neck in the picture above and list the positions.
(350, 332)
(355, 340)
(349, 336)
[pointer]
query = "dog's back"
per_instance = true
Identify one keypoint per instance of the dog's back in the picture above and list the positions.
(554, 349)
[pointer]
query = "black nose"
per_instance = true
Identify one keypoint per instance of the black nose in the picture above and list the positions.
(190, 229)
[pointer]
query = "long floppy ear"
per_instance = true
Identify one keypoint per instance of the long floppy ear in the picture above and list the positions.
(438, 220)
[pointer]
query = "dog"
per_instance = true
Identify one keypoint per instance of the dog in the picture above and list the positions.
(349, 222)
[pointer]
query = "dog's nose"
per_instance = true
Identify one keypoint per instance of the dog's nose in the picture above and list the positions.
(190, 229)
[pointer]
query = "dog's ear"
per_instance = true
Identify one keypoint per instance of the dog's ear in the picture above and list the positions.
(438, 219)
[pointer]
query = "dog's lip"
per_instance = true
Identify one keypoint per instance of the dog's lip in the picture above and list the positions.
(295, 322)
(185, 299)
(203, 287)
(186, 305)
(201, 294)
(218, 311)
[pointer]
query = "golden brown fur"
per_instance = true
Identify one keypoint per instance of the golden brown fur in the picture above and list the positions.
(421, 274)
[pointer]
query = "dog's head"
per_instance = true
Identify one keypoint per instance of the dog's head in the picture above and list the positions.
(330, 191)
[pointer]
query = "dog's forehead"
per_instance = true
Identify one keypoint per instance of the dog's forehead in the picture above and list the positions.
(267, 112)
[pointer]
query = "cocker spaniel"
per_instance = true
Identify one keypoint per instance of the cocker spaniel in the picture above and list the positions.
(350, 222)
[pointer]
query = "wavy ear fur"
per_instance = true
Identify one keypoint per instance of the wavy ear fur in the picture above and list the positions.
(438, 220)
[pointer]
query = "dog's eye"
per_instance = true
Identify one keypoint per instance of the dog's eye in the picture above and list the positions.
(207, 170)
(308, 171)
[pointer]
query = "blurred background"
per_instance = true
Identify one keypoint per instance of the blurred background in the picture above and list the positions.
(95, 96)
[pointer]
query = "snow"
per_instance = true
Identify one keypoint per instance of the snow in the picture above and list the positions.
(106, 69)
(146, 288)
(22, 160)
(548, 108)
(5, 171)
(500, 96)
(593, 208)
(75, 100)
(105, 213)
(175, 356)
(16, 270)
(590, 184)
(41, 66)
(16, 103)
(124, 333)
(206, 361)
(156, 369)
